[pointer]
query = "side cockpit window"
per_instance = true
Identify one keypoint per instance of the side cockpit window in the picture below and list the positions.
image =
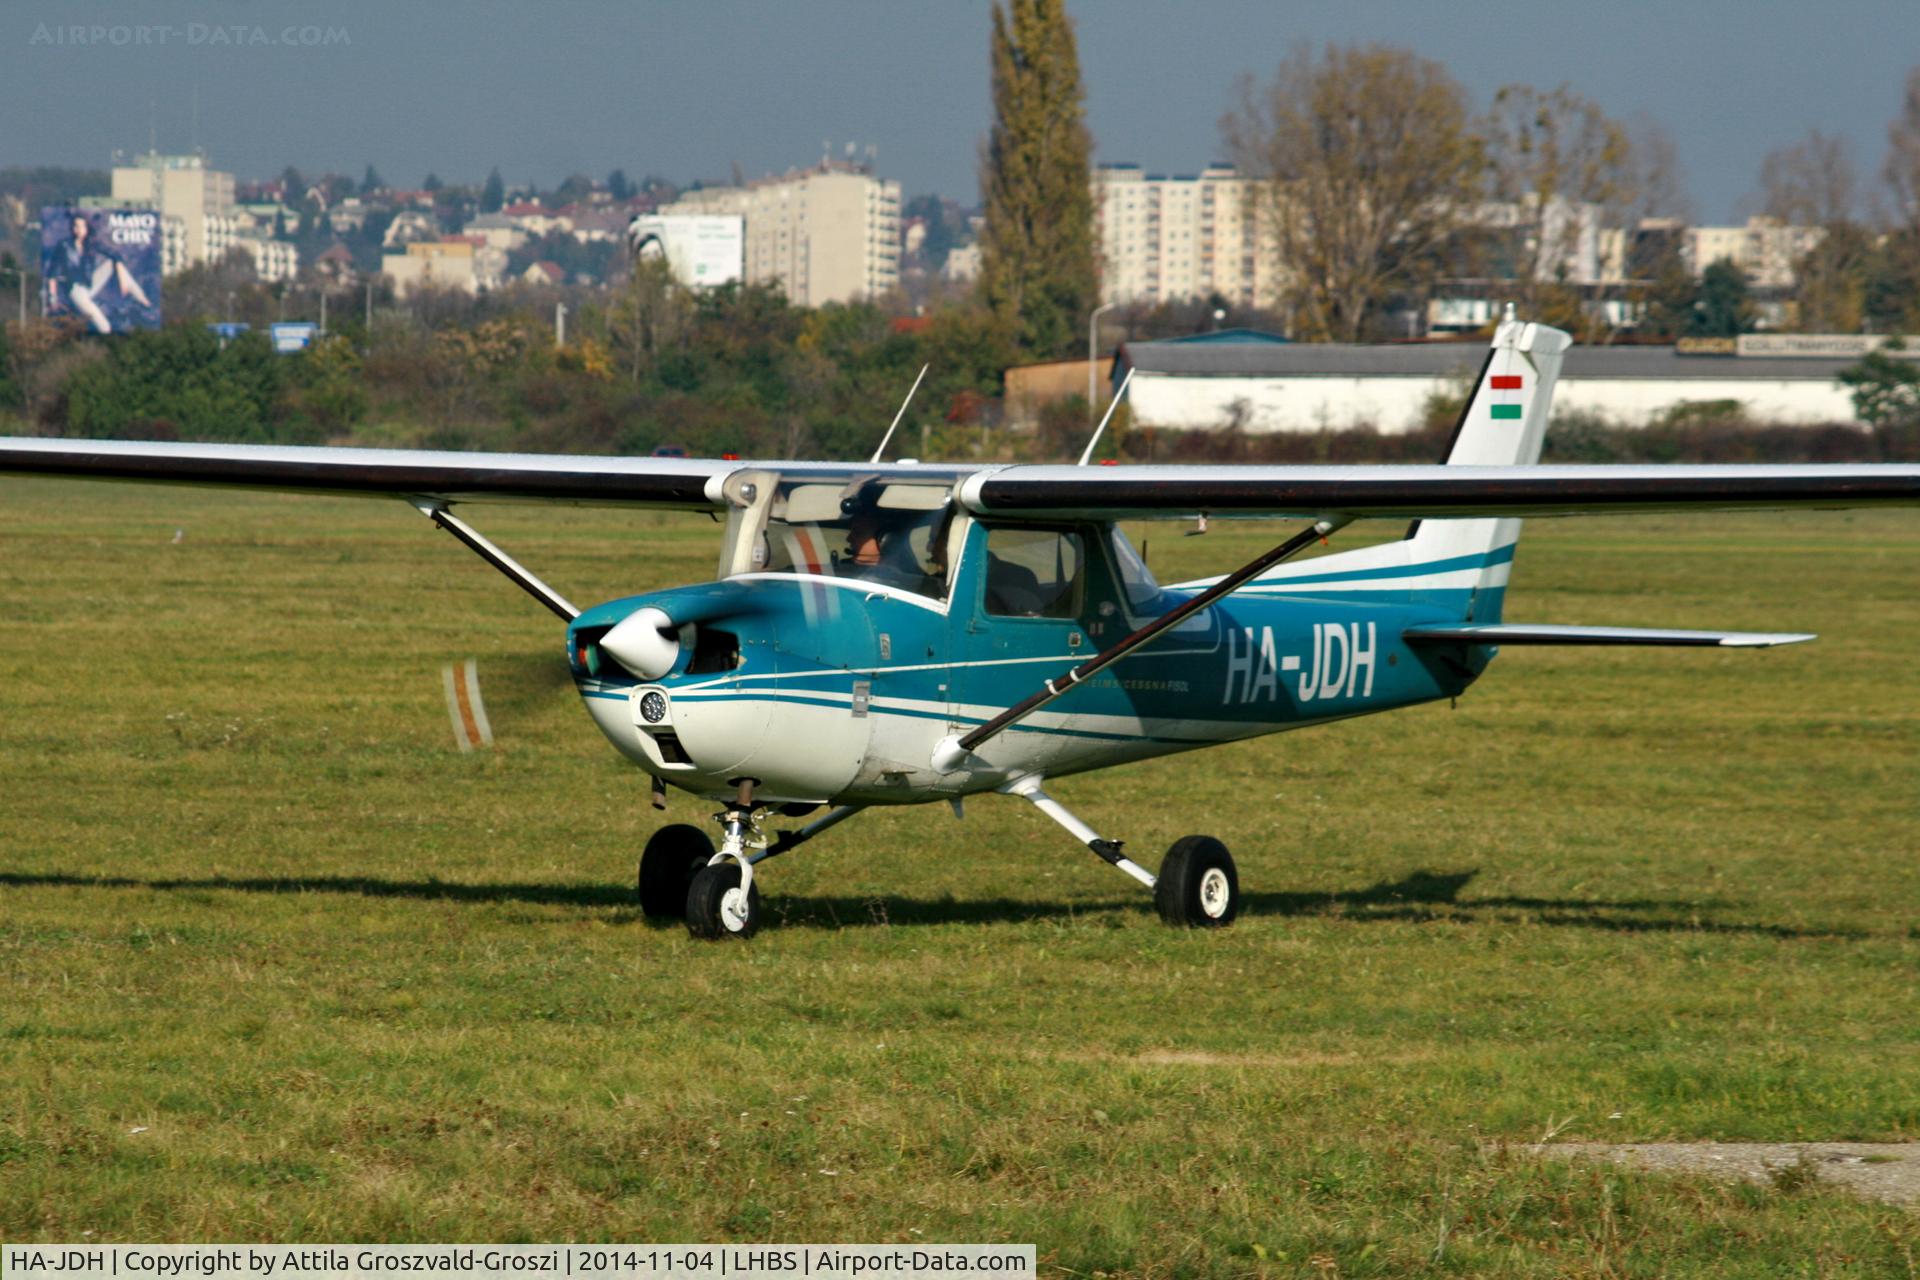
(1035, 573)
(1135, 578)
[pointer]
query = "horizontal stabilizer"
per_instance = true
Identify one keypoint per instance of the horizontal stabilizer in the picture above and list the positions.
(1521, 633)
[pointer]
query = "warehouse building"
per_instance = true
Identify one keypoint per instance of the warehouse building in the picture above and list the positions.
(1269, 384)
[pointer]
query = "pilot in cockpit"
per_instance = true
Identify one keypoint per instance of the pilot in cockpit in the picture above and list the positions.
(880, 550)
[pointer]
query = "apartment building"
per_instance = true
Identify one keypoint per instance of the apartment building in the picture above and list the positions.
(1765, 248)
(199, 219)
(826, 234)
(1162, 239)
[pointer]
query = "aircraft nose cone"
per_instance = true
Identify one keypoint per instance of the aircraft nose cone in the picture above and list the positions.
(645, 642)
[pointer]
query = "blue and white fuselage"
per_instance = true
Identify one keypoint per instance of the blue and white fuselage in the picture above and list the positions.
(838, 689)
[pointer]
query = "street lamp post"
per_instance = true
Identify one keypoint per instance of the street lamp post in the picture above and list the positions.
(1093, 354)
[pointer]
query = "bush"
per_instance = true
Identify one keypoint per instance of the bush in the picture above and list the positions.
(180, 382)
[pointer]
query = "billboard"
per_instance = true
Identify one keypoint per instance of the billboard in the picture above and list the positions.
(701, 250)
(101, 266)
(293, 335)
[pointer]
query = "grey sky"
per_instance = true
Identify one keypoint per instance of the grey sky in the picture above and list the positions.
(689, 90)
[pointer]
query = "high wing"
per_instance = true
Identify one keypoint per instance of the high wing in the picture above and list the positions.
(1034, 492)
(445, 476)
(1171, 492)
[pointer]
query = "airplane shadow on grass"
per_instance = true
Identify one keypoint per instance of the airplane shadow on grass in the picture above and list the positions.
(1416, 897)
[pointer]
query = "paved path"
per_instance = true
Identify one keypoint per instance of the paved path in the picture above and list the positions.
(1888, 1171)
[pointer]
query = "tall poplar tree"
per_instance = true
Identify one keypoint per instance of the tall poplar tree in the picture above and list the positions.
(1036, 269)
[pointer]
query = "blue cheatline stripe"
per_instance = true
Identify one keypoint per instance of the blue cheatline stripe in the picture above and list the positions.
(1479, 560)
(968, 720)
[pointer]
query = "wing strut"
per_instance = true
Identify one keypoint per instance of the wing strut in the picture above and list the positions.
(478, 543)
(951, 751)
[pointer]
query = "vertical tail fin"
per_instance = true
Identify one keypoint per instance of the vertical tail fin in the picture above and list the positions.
(1504, 424)
(1459, 565)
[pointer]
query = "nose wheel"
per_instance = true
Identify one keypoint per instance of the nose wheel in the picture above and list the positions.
(718, 906)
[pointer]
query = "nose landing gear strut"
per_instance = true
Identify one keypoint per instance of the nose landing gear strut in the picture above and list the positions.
(722, 900)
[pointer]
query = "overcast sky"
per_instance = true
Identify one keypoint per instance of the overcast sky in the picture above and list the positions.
(690, 90)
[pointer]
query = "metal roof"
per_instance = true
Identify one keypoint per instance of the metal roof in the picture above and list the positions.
(1447, 359)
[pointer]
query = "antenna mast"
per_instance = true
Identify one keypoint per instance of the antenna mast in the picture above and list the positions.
(1087, 455)
(903, 413)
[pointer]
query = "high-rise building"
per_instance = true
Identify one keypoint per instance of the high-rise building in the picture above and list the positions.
(1164, 239)
(200, 222)
(1767, 249)
(826, 234)
(183, 188)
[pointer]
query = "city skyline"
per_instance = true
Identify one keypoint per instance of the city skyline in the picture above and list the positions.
(702, 94)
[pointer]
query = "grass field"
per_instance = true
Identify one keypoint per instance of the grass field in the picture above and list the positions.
(278, 963)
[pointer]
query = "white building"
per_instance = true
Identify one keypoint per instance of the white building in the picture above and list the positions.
(1279, 386)
(1765, 248)
(963, 263)
(827, 234)
(273, 260)
(1165, 239)
(408, 226)
(497, 230)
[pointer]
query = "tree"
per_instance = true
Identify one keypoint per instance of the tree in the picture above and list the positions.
(180, 383)
(432, 184)
(1369, 167)
(1902, 167)
(1811, 184)
(1666, 289)
(650, 315)
(619, 186)
(1886, 388)
(1036, 270)
(1721, 309)
(1561, 168)
(1890, 284)
(10, 396)
(494, 194)
(370, 181)
(1897, 268)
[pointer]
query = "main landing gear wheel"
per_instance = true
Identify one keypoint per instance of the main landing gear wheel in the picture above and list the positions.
(1198, 885)
(673, 856)
(715, 906)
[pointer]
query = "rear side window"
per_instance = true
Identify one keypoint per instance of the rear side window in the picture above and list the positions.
(1035, 573)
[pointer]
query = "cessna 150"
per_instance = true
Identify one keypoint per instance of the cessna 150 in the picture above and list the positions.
(887, 634)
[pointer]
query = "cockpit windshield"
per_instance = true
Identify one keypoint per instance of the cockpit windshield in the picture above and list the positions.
(889, 534)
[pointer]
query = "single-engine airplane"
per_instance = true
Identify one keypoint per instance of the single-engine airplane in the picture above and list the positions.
(885, 634)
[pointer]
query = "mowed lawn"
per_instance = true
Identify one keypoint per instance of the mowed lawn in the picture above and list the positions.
(278, 963)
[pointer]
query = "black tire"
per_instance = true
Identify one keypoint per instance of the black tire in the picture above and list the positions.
(667, 866)
(1198, 886)
(710, 914)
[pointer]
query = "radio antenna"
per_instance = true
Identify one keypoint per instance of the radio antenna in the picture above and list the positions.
(903, 413)
(1087, 456)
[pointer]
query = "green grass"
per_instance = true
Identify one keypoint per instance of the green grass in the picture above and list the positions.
(349, 984)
